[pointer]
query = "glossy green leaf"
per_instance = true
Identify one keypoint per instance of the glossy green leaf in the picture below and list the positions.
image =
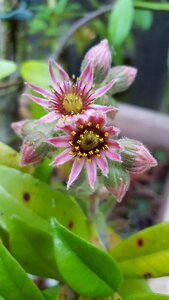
(10, 158)
(133, 286)
(36, 72)
(6, 68)
(14, 282)
(52, 293)
(147, 296)
(147, 241)
(30, 241)
(120, 22)
(146, 253)
(95, 272)
(43, 200)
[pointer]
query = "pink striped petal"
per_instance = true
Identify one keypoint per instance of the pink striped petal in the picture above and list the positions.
(91, 172)
(62, 72)
(50, 117)
(75, 171)
(41, 101)
(112, 131)
(100, 92)
(102, 163)
(40, 90)
(87, 76)
(113, 156)
(114, 144)
(103, 108)
(60, 141)
(53, 76)
(62, 157)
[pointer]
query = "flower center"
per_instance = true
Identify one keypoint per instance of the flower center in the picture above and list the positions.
(72, 103)
(90, 140)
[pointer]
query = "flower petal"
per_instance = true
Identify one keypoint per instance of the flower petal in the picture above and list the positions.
(41, 101)
(50, 117)
(40, 90)
(61, 71)
(53, 76)
(91, 172)
(100, 92)
(102, 163)
(87, 76)
(75, 171)
(60, 141)
(112, 131)
(62, 157)
(113, 155)
(114, 144)
(103, 108)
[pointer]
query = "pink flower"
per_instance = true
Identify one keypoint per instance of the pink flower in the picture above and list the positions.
(88, 143)
(68, 98)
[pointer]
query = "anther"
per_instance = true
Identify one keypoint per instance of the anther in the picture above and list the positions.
(98, 155)
(77, 148)
(106, 147)
(81, 136)
(91, 152)
(73, 76)
(101, 140)
(81, 126)
(70, 143)
(89, 124)
(73, 132)
(106, 134)
(89, 160)
(79, 153)
(97, 151)
(84, 154)
(79, 141)
(70, 152)
(97, 126)
(78, 159)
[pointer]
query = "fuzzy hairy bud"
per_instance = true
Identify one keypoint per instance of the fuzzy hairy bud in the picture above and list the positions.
(100, 57)
(125, 76)
(34, 149)
(136, 157)
(117, 182)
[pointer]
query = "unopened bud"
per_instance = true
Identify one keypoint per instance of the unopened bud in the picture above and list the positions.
(100, 57)
(136, 157)
(18, 127)
(125, 75)
(117, 182)
(34, 149)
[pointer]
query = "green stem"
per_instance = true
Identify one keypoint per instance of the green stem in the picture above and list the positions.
(151, 5)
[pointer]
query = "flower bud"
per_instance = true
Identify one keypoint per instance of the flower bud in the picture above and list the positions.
(136, 157)
(34, 149)
(125, 75)
(100, 57)
(117, 182)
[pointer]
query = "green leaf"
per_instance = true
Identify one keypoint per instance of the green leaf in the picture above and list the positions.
(143, 19)
(46, 202)
(30, 237)
(96, 273)
(10, 158)
(52, 293)
(36, 72)
(6, 68)
(133, 286)
(147, 296)
(33, 248)
(146, 253)
(14, 282)
(120, 22)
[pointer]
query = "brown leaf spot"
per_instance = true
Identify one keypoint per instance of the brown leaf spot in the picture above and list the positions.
(147, 275)
(140, 242)
(70, 225)
(26, 196)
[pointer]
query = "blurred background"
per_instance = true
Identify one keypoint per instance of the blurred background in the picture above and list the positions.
(32, 31)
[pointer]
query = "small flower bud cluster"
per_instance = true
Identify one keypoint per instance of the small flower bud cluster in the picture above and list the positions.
(74, 122)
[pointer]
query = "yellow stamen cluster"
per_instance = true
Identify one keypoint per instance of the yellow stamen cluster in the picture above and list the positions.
(88, 140)
(72, 103)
